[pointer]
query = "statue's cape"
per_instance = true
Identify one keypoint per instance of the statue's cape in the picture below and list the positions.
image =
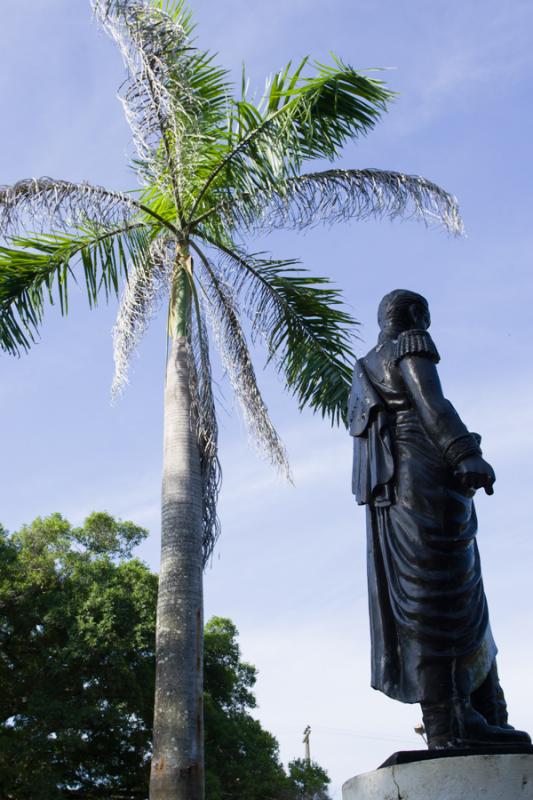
(373, 462)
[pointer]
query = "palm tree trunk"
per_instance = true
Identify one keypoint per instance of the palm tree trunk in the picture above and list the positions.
(178, 761)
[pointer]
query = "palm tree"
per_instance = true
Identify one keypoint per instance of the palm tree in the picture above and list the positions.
(213, 168)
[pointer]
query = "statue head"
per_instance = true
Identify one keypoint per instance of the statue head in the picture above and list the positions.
(402, 310)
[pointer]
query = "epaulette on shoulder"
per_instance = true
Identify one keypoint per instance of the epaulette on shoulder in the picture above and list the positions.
(415, 343)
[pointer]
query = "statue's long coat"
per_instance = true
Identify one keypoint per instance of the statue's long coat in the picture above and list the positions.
(426, 597)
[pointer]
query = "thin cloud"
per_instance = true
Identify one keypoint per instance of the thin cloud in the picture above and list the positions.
(471, 53)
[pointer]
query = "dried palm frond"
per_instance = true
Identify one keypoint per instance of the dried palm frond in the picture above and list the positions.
(145, 36)
(223, 315)
(173, 95)
(62, 204)
(147, 284)
(205, 422)
(338, 195)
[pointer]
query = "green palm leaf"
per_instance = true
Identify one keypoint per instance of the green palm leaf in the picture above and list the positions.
(32, 267)
(301, 319)
(298, 118)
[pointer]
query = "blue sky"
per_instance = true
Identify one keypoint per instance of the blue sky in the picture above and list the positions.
(289, 568)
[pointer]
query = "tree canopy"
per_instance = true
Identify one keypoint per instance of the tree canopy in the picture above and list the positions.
(77, 632)
(77, 645)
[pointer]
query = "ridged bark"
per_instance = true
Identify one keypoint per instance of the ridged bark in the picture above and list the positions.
(178, 760)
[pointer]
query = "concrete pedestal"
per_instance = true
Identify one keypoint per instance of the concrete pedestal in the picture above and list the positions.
(476, 777)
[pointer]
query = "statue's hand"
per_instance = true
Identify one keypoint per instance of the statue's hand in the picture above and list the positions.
(473, 472)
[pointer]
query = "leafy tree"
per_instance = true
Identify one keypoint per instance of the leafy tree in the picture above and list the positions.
(77, 635)
(77, 660)
(242, 760)
(213, 167)
(309, 780)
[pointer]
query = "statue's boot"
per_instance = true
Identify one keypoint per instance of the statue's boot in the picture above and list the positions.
(456, 724)
(489, 700)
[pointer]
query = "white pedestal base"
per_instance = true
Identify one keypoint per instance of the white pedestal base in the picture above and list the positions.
(479, 777)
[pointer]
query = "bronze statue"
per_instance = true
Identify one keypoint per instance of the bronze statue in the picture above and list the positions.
(417, 467)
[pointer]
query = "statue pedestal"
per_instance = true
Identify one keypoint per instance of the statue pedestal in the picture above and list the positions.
(468, 777)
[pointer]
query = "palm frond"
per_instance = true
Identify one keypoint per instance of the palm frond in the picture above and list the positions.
(33, 268)
(340, 195)
(174, 97)
(300, 318)
(328, 108)
(45, 202)
(145, 288)
(298, 118)
(223, 314)
(205, 421)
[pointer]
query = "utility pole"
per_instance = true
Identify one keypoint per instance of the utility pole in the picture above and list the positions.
(307, 734)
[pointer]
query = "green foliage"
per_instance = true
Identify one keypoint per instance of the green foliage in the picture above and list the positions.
(77, 636)
(299, 117)
(32, 266)
(77, 644)
(242, 760)
(229, 679)
(309, 781)
(306, 331)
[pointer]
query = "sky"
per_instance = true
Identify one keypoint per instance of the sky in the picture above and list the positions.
(289, 568)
